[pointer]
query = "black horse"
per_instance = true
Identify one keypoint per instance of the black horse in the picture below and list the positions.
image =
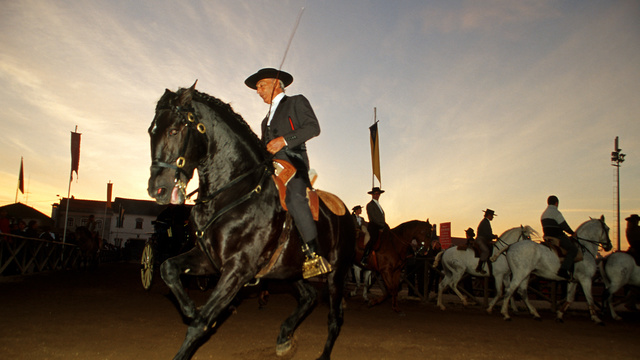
(242, 231)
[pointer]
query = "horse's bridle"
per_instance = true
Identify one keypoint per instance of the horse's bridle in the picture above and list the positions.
(598, 243)
(191, 123)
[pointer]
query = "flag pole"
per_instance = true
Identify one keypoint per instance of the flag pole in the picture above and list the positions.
(66, 215)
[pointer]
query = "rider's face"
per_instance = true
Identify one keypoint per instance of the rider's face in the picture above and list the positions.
(268, 89)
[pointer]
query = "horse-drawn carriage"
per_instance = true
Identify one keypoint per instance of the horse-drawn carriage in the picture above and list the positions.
(172, 236)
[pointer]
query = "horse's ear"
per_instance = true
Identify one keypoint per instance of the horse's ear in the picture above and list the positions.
(602, 217)
(187, 95)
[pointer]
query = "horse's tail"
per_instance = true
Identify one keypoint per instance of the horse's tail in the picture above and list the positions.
(436, 261)
(494, 257)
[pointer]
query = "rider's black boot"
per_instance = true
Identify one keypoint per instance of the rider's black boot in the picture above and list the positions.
(479, 268)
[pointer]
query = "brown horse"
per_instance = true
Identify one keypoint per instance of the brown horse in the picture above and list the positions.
(390, 254)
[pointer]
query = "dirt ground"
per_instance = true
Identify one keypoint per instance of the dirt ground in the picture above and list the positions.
(105, 314)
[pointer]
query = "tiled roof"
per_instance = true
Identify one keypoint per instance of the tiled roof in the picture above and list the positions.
(22, 211)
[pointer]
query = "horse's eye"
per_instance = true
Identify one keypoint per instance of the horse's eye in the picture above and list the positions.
(173, 132)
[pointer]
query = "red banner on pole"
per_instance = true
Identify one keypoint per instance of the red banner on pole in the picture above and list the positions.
(445, 235)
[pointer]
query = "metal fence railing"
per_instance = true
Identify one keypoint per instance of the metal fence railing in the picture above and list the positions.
(21, 255)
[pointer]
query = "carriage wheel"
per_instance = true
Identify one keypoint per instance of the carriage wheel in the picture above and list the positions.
(147, 266)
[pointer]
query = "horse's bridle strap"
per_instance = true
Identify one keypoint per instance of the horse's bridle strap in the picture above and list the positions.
(256, 190)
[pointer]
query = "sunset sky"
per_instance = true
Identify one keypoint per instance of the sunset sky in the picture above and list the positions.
(482, 104)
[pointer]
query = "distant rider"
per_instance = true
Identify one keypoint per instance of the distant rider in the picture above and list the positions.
(484, 239)
(554, 225)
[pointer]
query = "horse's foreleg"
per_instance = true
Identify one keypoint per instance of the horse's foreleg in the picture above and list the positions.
(586, 288)
(356, 274)
(367, 283)
(306, 301)
(386, 292)
(231, 281)
(170, 270)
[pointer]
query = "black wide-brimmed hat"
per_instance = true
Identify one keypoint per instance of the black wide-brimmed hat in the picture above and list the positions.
(357, 207)
(633, 217)
(375, 190)
(269, 73)
(489, 212)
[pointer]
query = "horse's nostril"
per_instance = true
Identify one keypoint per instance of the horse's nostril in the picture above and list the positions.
(161, 191)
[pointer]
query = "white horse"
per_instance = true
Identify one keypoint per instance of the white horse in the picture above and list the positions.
(618, 269)
(363, 277)
(528, 257)
(456, 262)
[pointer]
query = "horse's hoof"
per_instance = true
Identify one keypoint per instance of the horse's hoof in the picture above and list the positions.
(284, 348)
(507, 319)
(558, 320)
(601, 323)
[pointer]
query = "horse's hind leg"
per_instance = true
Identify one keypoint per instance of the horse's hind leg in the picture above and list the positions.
(336, 314)
(306, 301)
(608, 299)
(522, 290)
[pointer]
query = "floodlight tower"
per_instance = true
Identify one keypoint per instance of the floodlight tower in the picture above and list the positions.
(617, 157)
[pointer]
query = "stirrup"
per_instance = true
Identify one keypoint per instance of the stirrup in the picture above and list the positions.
(315, 266)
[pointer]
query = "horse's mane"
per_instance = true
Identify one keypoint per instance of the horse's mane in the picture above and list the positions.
(527, 229)
(400, 230)
(233, 119)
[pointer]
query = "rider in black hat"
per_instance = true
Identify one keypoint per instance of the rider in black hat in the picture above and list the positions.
(377, 222)
(485, 236)
(289, 123)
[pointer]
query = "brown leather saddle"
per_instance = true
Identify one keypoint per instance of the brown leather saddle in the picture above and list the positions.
(284, 171)
(553, 243)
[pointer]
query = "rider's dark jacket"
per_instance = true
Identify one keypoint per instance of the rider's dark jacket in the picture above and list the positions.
(553, 223)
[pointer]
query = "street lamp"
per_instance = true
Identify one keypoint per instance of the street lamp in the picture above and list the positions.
(617, 157)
